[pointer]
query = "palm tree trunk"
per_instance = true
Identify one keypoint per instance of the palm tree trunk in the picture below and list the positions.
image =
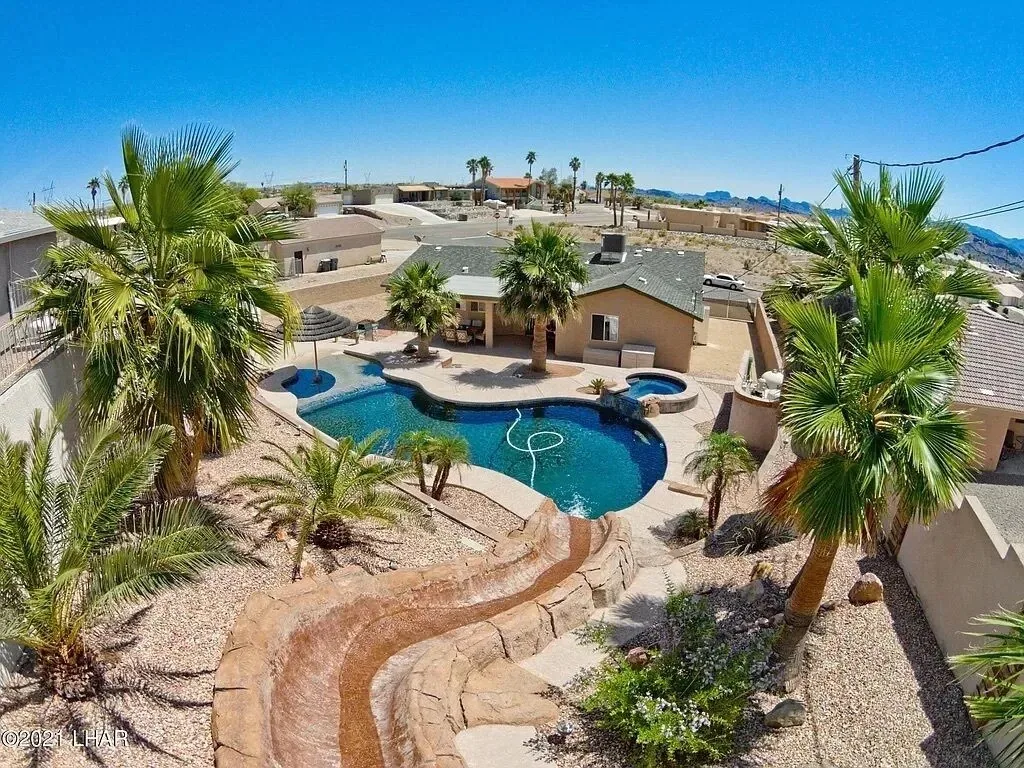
(422, 346)
(802, 606)
(300, 548)
(177, 476)
(440, 480)
(897, 532)
(421, 473)
(574, 193)
(715, 503)
(539, 351)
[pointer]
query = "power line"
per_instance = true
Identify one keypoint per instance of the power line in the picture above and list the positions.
(825, 199)
(993, 213)
(951, 157)
(995, 209)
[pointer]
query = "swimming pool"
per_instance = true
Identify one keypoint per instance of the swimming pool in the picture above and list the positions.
(591, 461)
(653, 384)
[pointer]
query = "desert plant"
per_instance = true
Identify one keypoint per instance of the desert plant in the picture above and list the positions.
(94, 187)
(574, 166)
(418, 298)
(683, 703)
(531, 158)
(693, 524)
(722, 460)
(317, 484)
(485, 170)
(167, 307)
(299, 199)
(757, 534)
(598, 184)
(473, 166)
(598, 385)
(446, 453)
(540, 273)
(999, 703)
(78, 548)
(414, 446)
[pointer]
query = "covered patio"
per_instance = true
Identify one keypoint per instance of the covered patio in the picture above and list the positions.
(481, 318)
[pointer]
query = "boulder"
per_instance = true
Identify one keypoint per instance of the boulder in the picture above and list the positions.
(638, 658)
(867, 589)
(786, 714)
(506, 694)
(752, 592)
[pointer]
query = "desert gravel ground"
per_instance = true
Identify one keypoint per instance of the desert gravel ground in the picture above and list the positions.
(183, 632)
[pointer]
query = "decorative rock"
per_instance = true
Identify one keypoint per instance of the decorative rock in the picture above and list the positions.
(752, 592)
(867, 589)
(778, 619)
(786, 714)
(638, 658)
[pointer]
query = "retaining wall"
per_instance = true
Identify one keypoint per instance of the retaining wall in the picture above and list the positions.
(766, 341)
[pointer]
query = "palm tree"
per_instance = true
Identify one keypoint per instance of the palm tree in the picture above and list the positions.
(599, 184)
(167, 307)
(540, 273)
(446, 452)
(414, 446)
(867, 401)
(418, 299)
(94, 187)
(321, 485)
(79, 546)
(999, 704)
(575, 164)
(485, 171)
(123, 187)
(722, 460)
(473, 165)
(531, 158)
(626, 187)
(611, 180)
(889, 223)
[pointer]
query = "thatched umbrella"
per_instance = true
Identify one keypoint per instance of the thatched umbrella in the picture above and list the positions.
(319, 324)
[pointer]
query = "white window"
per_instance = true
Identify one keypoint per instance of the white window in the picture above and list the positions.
(476, 306)
(604, 328)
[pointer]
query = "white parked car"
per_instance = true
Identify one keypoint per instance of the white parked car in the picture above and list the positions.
(722, 280)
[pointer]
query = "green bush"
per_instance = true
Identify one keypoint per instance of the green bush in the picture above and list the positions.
(683, 706)
(693, 525)
(761, 532)
(598, 385)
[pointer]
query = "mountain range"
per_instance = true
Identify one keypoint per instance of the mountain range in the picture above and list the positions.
(984, 244)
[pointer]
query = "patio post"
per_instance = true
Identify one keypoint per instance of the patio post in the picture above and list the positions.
(488, 324)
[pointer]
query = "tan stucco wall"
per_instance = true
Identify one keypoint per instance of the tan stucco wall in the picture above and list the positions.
(754, 419)
(350, 250)
(21, 258)
(990, 426)
(770, 353)
(641, 321)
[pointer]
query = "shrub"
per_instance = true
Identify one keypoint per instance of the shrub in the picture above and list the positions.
(693, 525)
(757, 535)
(598, 385)
(684, 705)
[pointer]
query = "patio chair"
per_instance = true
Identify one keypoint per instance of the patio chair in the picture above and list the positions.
(449, 335)
(462, 337)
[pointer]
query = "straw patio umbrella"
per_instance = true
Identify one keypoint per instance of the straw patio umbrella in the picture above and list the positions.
(319, 324)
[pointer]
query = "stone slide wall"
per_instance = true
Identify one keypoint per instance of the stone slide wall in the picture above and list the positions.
(277, 693)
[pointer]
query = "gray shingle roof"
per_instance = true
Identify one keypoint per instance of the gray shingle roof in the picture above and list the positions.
(993, 374)
(672, 277)
(12, 222)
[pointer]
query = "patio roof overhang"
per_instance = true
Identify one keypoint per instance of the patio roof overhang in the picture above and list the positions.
(476, 286)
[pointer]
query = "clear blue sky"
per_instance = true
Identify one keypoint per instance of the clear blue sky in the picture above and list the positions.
(691, 97)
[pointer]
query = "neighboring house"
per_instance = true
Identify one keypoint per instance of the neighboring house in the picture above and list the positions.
(24, 238)
(991, 387)
(265, 205)
(426, 192)
(328, 243)
(1010, 295)
(513, 190)
(710, 221)
(327, 204)
(638, 296)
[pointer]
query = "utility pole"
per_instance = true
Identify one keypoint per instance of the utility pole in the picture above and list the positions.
(346, 174)
(778, 218)
(856, 172)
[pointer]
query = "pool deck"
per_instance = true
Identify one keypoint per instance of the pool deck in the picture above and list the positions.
(490, 377)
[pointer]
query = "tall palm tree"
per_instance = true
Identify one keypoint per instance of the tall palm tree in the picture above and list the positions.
(94, 187)
(531, 158)
(626, 188)
(891, 222)
(575, 164)
(485, 171)
(867, 400)
(721, 460)
(611, 180)
(414, 446)
(167, 307)
(473, 165)
(79, 546)
(540, 273)
(319, 484)
(999, 704)
(446, 453)
(123, 186)
(599, 184)
(419, 299)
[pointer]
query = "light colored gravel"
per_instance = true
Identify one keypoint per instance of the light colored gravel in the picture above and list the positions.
(184, 631)
(481, 509)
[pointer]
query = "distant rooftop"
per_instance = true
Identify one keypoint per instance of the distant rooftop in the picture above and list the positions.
(326, 227)
(993, 374)
(15, 225)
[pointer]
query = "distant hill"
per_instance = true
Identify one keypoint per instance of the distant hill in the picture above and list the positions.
(985, 245)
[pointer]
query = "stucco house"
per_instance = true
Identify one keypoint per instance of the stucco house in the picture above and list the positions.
(24, 238)
(512, 190)
(643, 302)
(711, 221)
(328, 243)
(991, 386)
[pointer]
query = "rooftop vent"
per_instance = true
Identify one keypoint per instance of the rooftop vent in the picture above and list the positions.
(465, 270)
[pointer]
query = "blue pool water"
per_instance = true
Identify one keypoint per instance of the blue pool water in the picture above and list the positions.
(303, 385)
(604, 461)
(653, 384)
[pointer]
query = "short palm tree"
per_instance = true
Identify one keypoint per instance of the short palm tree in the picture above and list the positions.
(611, 180)
(531, 158)
(94, 188)
(419, 299)
(414, 446)
(473, 166)
(320, 485)
(446, 452)
(575, 165)
(540, 273)
(867, 402)
(721, 461)
(999, 703)
(123, 186)
(167, 307)
(485, 171)
(599, 184)
(80, 546)
(626, 188)
(893, 223)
